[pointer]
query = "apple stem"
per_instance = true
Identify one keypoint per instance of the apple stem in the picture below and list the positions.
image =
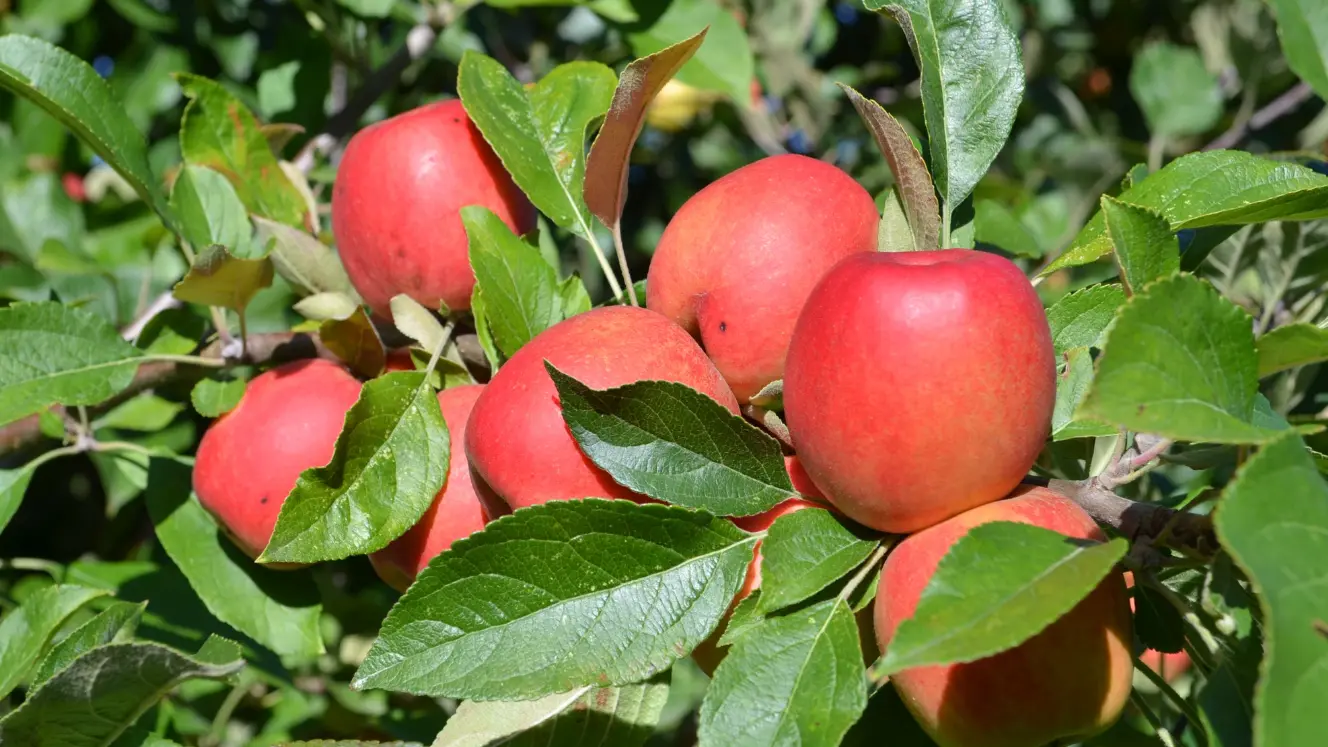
(622, 262)
(609, 275)
(945, 225)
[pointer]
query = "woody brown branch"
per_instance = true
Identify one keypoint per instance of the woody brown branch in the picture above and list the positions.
(1142, 523)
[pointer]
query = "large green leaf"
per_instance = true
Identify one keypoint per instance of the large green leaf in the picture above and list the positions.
(1212, 188)
(804, 552)
(792, 680)
(116, 622)
(13, 486)
(278, 609)
(676, 445)
(1302, 25)
(1179, 361)
(103, 692)
(218, 131)
(522, 297)
(391, 459)
(1273, 520)
(998, 586)
(972, 81)
(587, 717)
(72, 92)
(1291, 346)
(1145, 247)
(57, 354)
(26, 631)
(1080, 319)
(573, 593)
(540, 134)
(209, 210)
(1178, 95)
(724, 63)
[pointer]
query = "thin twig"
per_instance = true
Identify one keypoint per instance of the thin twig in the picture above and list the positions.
(1271, 112)
(1141, 522)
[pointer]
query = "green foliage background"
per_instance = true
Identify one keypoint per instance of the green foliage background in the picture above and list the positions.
(1109, 85)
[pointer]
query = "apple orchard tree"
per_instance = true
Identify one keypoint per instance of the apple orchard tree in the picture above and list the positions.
(957, 446)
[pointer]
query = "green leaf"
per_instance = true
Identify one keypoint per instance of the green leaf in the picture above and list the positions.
(1291, 346)
(219, 278)
(309, 265)
(1211, 188)
(146, 413)
(744, 618)
(995, 225)
(676, 445)
(1302, 27)
(116, 622)
(574, 593)
(218, 131)
(209, 210)
(26, 631)
(56, 354)
(1145, 248)
(391, 459)
(213, 398)
(102, 693)
(13, 486)
(368, 8)
(724, 63)
(355, 341)
(1179, 361)
(998, 586)
(482, 723)
(585, 717)
(893, 234)
(540, 134)
(1273, 520)
(1157, 622)
(522, 297)
(1177, 94)
(913, 186)
(278, 609)
(321, 307)
(972, 81)
(276, 88)
(1080, 319)
(1226, 701)
(417, 323)
(483, 331)
(1071, 386)
(610, 155)
(804, 552)
(72, 92)
(794, 680)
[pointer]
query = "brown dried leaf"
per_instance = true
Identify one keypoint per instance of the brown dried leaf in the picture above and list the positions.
(913, 182)
(606, 167)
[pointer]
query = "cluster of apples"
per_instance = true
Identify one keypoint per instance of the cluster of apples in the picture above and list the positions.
(918, 390)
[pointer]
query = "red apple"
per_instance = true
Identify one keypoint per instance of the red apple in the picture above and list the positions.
(249, 460)
(736, 263)
(520, 450)
(456, 511)
(919, 385)
(397, 199)
(1068, 682)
